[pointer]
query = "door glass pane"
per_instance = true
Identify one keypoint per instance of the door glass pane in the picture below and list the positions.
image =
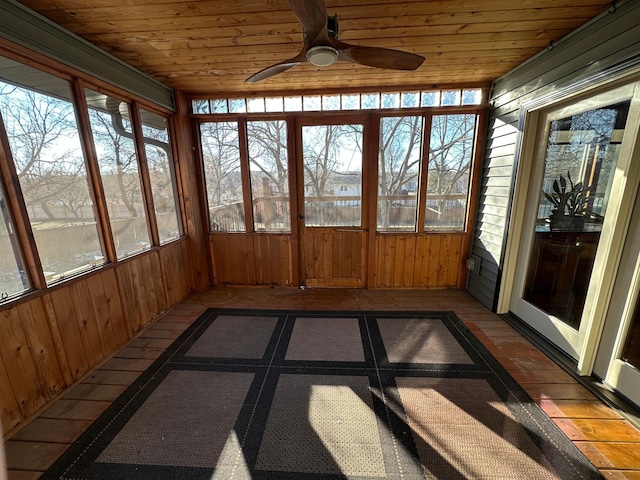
(40, 122)
(13, 271)
(332, 160)
(631, 351)
(398, 170)
(268, 163)
(223, 179)
(451, 148)
(580, 159)
(155, 133)
(118, 163)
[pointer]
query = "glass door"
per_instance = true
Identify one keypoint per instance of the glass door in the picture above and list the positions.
(332, 215)
(618, 358)
(572, 218)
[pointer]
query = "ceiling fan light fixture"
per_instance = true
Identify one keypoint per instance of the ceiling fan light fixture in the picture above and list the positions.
(322, 55)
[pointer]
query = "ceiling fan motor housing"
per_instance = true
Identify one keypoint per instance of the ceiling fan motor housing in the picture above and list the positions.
(322, 55)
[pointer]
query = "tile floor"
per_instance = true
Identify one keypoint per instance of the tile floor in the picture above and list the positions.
(608, 440)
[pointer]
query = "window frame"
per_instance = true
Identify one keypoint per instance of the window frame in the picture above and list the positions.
(372, 118)
(14, 201)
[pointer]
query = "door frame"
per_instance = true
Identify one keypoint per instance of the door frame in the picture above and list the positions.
(368, 160)
(533, 124)
(615, 373)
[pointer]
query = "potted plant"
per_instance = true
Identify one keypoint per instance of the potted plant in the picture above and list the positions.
(569, 205)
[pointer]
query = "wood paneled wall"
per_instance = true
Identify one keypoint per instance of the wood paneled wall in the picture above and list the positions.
(431, 260)
(51, 340)
(251, 259)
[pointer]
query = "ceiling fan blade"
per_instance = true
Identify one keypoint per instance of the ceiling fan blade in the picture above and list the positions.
(377, 57)
(273, 70)
(279, 67)
(312, 15)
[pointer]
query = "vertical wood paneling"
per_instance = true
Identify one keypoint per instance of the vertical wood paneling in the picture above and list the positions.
(10, 413)
(173, 260)
(19, 364)
(61, 309)
(334, 257)
(89, 329)
(38, 333)
(251, 259)
(418, 260)
(52, 340)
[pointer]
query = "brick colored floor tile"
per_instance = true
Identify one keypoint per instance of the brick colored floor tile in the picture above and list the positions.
(105, 393)
(596, 430)
(34, 456)
(76, 409)
(557, 391)
(134, 352)
(615, 455)
(621, 474)
(160, 333)
(577, 409)
(23, 475)
(112, 377)
(151, 342)
(523, 363)
(542, 376)
(128, 364)
(51, 430)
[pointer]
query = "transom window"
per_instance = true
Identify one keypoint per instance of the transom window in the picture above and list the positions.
(345, 102)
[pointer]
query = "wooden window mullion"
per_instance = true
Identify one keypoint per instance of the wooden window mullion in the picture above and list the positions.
(245, 174)
(424, 172)
(93, 173)
(20, 216)
(145, 179)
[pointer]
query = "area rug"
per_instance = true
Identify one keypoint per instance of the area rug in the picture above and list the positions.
(256, 395)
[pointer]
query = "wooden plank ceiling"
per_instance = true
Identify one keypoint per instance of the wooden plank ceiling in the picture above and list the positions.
(210, 47)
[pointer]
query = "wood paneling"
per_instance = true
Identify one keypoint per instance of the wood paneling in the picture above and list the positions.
(251, 259)
(51, 340)
(429, 260)
(334, 257)
(186, 45)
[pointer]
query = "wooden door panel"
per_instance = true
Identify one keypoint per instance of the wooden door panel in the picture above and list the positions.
(334, 257)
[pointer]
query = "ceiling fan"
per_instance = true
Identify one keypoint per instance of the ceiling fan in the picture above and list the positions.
(321, 46)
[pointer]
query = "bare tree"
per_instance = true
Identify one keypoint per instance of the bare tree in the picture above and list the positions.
(46, 151)
(223, 179)
(398, 168)
(450, 154)
(268, 152)
(117, 158)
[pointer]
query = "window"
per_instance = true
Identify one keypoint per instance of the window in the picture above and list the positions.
(45, 147)
(118, 162)
(398, 170)
(332, 156)
(223, 178)
(423, 173)
(352, 101)
(448, 164)
(155, 134)
(269, 167)
(13, 272)
(450, 154)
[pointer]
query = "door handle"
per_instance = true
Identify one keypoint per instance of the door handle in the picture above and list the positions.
(300, 217)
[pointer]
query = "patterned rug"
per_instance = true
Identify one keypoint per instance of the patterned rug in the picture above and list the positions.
(256, 395)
